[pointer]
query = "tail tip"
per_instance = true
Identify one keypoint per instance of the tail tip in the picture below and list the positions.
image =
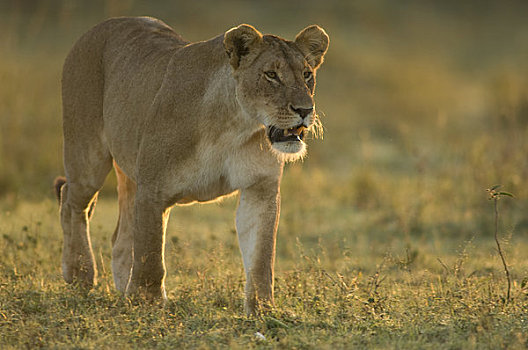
(57, 185)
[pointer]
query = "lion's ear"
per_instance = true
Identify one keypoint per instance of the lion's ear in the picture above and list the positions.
(239, 41)
(313, 43)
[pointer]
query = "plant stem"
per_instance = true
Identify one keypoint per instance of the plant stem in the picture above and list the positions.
(500, 249)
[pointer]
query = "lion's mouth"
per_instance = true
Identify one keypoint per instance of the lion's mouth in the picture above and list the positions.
(283, 135)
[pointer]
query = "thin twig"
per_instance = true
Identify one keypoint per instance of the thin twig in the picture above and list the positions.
(443, 265)
(496, 199)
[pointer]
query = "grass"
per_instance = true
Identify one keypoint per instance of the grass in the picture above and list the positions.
(386, 238)
(359, 292)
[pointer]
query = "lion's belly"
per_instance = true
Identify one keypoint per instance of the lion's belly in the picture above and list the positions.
(205, 178)
(202, 191)
(203, 197)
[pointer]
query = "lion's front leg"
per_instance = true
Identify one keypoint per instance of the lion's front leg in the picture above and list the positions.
(256, 222)
(148, 270)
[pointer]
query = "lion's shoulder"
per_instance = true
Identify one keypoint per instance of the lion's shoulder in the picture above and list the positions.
(147, 24)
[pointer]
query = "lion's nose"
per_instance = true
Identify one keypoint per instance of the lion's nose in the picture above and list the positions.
(302, 112)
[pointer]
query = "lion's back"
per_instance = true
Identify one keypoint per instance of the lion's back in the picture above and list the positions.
(136, 40)
(118, 48)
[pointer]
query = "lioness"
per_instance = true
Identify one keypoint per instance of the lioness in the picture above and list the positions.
(181, 122)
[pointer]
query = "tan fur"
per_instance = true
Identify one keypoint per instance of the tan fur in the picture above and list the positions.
(180, 122)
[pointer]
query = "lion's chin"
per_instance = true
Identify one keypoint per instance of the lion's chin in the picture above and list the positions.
(289, 151)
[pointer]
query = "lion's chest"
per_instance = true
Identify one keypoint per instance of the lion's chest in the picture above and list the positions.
(222, 166)
(214, 172)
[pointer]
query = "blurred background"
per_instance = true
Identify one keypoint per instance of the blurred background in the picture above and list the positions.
(424, 104)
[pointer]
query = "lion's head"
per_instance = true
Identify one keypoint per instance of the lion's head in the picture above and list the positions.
(275, 82)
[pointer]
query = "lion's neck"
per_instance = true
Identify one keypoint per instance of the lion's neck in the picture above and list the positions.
(221, 108)
(220, 91)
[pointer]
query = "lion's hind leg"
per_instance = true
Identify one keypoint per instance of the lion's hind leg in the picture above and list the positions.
(87, 160)
(123, 238)
(77, 203)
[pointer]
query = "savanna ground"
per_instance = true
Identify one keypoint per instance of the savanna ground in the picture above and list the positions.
(386, 238)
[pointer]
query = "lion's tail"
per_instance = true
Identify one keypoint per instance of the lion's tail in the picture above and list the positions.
(57, 185)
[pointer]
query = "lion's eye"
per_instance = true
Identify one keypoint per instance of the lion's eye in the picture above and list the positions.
(307, 75)
(271, 75)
